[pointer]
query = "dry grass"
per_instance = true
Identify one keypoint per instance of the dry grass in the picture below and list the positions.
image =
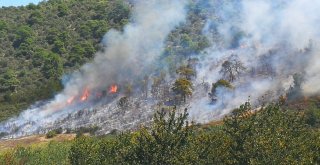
(35, 140)
(213, 123)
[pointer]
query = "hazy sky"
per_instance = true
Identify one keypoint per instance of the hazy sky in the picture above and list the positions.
(17, 2)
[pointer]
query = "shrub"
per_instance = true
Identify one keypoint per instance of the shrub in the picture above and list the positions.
(51, 134)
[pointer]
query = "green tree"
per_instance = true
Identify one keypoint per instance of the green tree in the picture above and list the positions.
(232, 68)
(52, 35)
(84, 150)
(118, 12)
(62, 10)
(22, 34)
(237, 127)
(52, 67)
(29, 34)
(182, 87)
(32, 6)
(35, 17)
(269, 136)
(166, 140)
(186, 72)
(59, 47)
(10, 80)
(220, 83)
(3, 25)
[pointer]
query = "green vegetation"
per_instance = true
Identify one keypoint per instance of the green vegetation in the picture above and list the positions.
(89, 130)
(232, 68)
(219, 84)
(182, 87)
(51, 134)
(270, 135)
(39, 43)
(52, 153)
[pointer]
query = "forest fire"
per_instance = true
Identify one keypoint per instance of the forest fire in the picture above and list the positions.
(98, 95)
(70, 100)
(113, 89)
(85, 95)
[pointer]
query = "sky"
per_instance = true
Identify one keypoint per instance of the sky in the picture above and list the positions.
(17, 2)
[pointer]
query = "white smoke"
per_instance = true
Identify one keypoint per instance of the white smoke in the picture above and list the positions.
(281, 34)
(127, 54)
(274, 39)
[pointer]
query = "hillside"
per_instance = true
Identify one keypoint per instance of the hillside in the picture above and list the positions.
(40, 43)
(160, 82)
(37, 140)
(271, 135)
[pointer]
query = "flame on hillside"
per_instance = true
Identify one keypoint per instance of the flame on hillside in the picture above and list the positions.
(85, 94)
(113, 89)
(70, 100)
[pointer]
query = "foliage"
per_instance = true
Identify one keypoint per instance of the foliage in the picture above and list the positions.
(219, 83)
(268, 135)
(232, 68)
(9, 81)
(41, 42)
(52, 153)
(182, 87)
(165, 142)
(65, 35)
(186, 72)
(91, 130)
(51, 134)
(84, 150)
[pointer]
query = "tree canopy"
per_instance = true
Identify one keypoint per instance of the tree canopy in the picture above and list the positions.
(39, 43)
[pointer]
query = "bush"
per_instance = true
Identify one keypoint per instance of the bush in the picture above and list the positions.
(51, 134)
(91, 130)
(268, 136)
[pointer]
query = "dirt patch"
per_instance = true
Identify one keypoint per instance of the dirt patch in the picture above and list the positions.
(33, 140)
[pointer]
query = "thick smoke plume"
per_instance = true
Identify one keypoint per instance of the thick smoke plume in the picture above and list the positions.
(273, 39)
(127, 55)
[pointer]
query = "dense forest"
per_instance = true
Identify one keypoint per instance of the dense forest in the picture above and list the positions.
(41, 45)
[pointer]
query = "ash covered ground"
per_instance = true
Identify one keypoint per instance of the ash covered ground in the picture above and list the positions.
(264, 50)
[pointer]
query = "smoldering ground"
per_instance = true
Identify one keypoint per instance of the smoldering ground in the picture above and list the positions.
(273, 39)
(127, 55)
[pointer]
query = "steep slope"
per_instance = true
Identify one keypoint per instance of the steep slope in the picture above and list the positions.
(40, 43)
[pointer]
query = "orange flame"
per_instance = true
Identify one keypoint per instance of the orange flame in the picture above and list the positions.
(70, 100)
(85, 95)
(113, 89)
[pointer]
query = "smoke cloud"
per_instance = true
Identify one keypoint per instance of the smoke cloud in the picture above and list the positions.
(273, 39)
(127, 55)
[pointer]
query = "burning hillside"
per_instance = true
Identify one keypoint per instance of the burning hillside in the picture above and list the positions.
(126, 57)
(255, 51)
